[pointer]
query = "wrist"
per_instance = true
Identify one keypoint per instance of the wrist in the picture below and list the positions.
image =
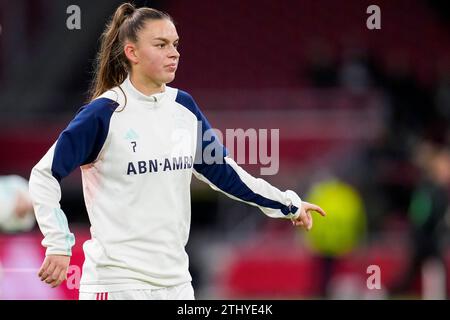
(294, 203)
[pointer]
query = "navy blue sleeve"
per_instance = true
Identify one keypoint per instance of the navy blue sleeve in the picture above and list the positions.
(82, 140)
(221, 174)
(186, 100)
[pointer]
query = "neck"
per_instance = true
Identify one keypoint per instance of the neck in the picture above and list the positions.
(146, 85)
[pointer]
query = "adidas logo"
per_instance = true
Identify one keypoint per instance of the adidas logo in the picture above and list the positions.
(131, 135)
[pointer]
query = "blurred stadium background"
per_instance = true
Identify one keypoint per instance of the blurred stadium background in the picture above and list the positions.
(361, 114)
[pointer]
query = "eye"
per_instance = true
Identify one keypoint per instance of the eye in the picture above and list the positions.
(161, 45)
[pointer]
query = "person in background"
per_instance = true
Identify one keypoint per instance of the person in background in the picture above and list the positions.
(346, 230)
(428, 207)
(16, 209)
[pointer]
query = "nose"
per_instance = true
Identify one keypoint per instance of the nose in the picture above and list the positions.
(174, 53)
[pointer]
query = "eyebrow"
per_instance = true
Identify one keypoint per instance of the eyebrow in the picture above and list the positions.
(166, 40)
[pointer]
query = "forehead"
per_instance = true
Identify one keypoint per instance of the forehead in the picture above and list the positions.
(159, 29)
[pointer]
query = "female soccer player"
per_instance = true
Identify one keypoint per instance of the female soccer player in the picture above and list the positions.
(136, 173)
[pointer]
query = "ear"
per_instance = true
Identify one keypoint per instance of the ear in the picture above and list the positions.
(130, 52)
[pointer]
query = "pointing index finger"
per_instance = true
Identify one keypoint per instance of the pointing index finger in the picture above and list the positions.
(318, 209)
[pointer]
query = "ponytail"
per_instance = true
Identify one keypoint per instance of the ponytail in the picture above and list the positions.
(112, 66)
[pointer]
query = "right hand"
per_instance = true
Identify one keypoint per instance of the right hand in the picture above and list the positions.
(54, 269)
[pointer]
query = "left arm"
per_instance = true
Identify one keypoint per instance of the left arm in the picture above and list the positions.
(229, 178)
(225, 175)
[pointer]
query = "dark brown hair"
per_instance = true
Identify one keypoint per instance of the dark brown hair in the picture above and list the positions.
(112, 66)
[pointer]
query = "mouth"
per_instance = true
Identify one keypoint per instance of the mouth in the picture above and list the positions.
(172, 67)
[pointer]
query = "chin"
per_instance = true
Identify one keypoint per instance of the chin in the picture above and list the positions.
(169, 79)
